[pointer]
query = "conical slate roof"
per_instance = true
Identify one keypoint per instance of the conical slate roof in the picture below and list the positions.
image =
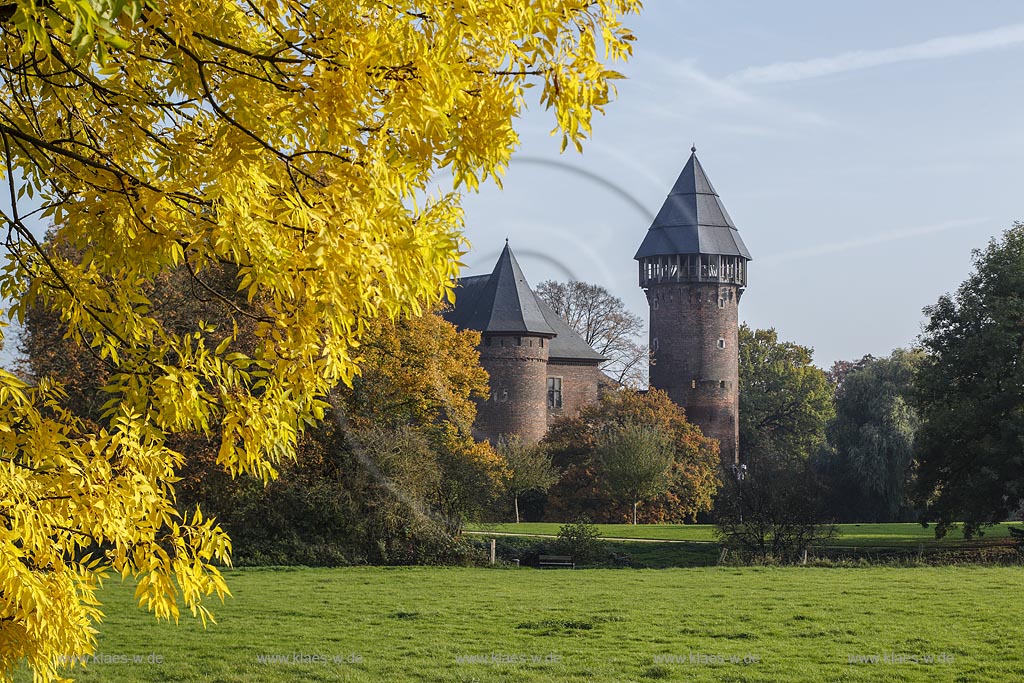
(692, 220)
(489, 303)
(502, 303)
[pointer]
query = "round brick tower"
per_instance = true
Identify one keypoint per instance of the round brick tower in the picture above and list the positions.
(514, 346)
(693, 268)
(517, 366)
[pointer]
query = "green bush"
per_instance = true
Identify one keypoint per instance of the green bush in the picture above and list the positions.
(580, 540)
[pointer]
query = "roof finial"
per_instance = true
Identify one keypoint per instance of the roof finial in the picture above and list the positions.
(693, 149)
(506, 241)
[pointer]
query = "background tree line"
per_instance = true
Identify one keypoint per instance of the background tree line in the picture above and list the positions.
(930, 434)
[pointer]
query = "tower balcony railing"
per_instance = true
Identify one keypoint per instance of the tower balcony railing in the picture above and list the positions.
(711, 268)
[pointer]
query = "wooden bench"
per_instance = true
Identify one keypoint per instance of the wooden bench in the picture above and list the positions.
(1016, 533)
(555, 562)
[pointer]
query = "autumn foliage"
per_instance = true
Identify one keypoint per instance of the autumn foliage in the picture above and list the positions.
(573, 442)
(420, 372)
(295, 144)
(390, 476)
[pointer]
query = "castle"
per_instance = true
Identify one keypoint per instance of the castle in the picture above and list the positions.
(539, 367)
(693, 269)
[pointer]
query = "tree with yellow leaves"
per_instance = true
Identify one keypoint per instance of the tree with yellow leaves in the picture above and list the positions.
(292, 142)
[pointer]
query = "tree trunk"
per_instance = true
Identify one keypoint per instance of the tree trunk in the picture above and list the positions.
(634, 513)
(516, 499)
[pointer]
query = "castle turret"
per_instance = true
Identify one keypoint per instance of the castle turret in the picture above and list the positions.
(540, 368)
(693, 268)
(514, 347)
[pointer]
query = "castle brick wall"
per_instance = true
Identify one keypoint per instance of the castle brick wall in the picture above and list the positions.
(579, 386)
(518, 379)
(694, 339)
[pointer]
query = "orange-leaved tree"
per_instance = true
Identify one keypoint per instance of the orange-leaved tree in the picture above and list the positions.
(692, 477)
(421, 371)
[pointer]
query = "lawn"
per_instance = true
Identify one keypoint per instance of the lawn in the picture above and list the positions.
(421, 624)
(850, 535)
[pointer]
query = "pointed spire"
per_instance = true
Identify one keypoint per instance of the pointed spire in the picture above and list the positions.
(479, 306)
(506, 303)
(693, 219)
(693, 180)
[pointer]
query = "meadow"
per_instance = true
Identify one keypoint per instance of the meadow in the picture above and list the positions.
(850, 535)
(490, 624)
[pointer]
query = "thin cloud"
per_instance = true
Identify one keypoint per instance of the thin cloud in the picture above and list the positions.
(870, 241)
(936, 48)
(722, 94)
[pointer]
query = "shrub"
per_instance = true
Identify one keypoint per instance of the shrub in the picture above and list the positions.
(771, 513)
(580, 540)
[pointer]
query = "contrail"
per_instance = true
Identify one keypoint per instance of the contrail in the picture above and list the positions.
(879, 238)
(936, 48)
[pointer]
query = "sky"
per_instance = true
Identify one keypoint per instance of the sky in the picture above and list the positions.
(862, 149)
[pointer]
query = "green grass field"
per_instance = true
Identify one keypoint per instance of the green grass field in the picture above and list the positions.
(851, 535)
(421, 624)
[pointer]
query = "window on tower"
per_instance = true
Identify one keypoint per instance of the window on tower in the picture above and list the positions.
(692, 265)
(554, 392)
(721, 343)
(709, 265)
